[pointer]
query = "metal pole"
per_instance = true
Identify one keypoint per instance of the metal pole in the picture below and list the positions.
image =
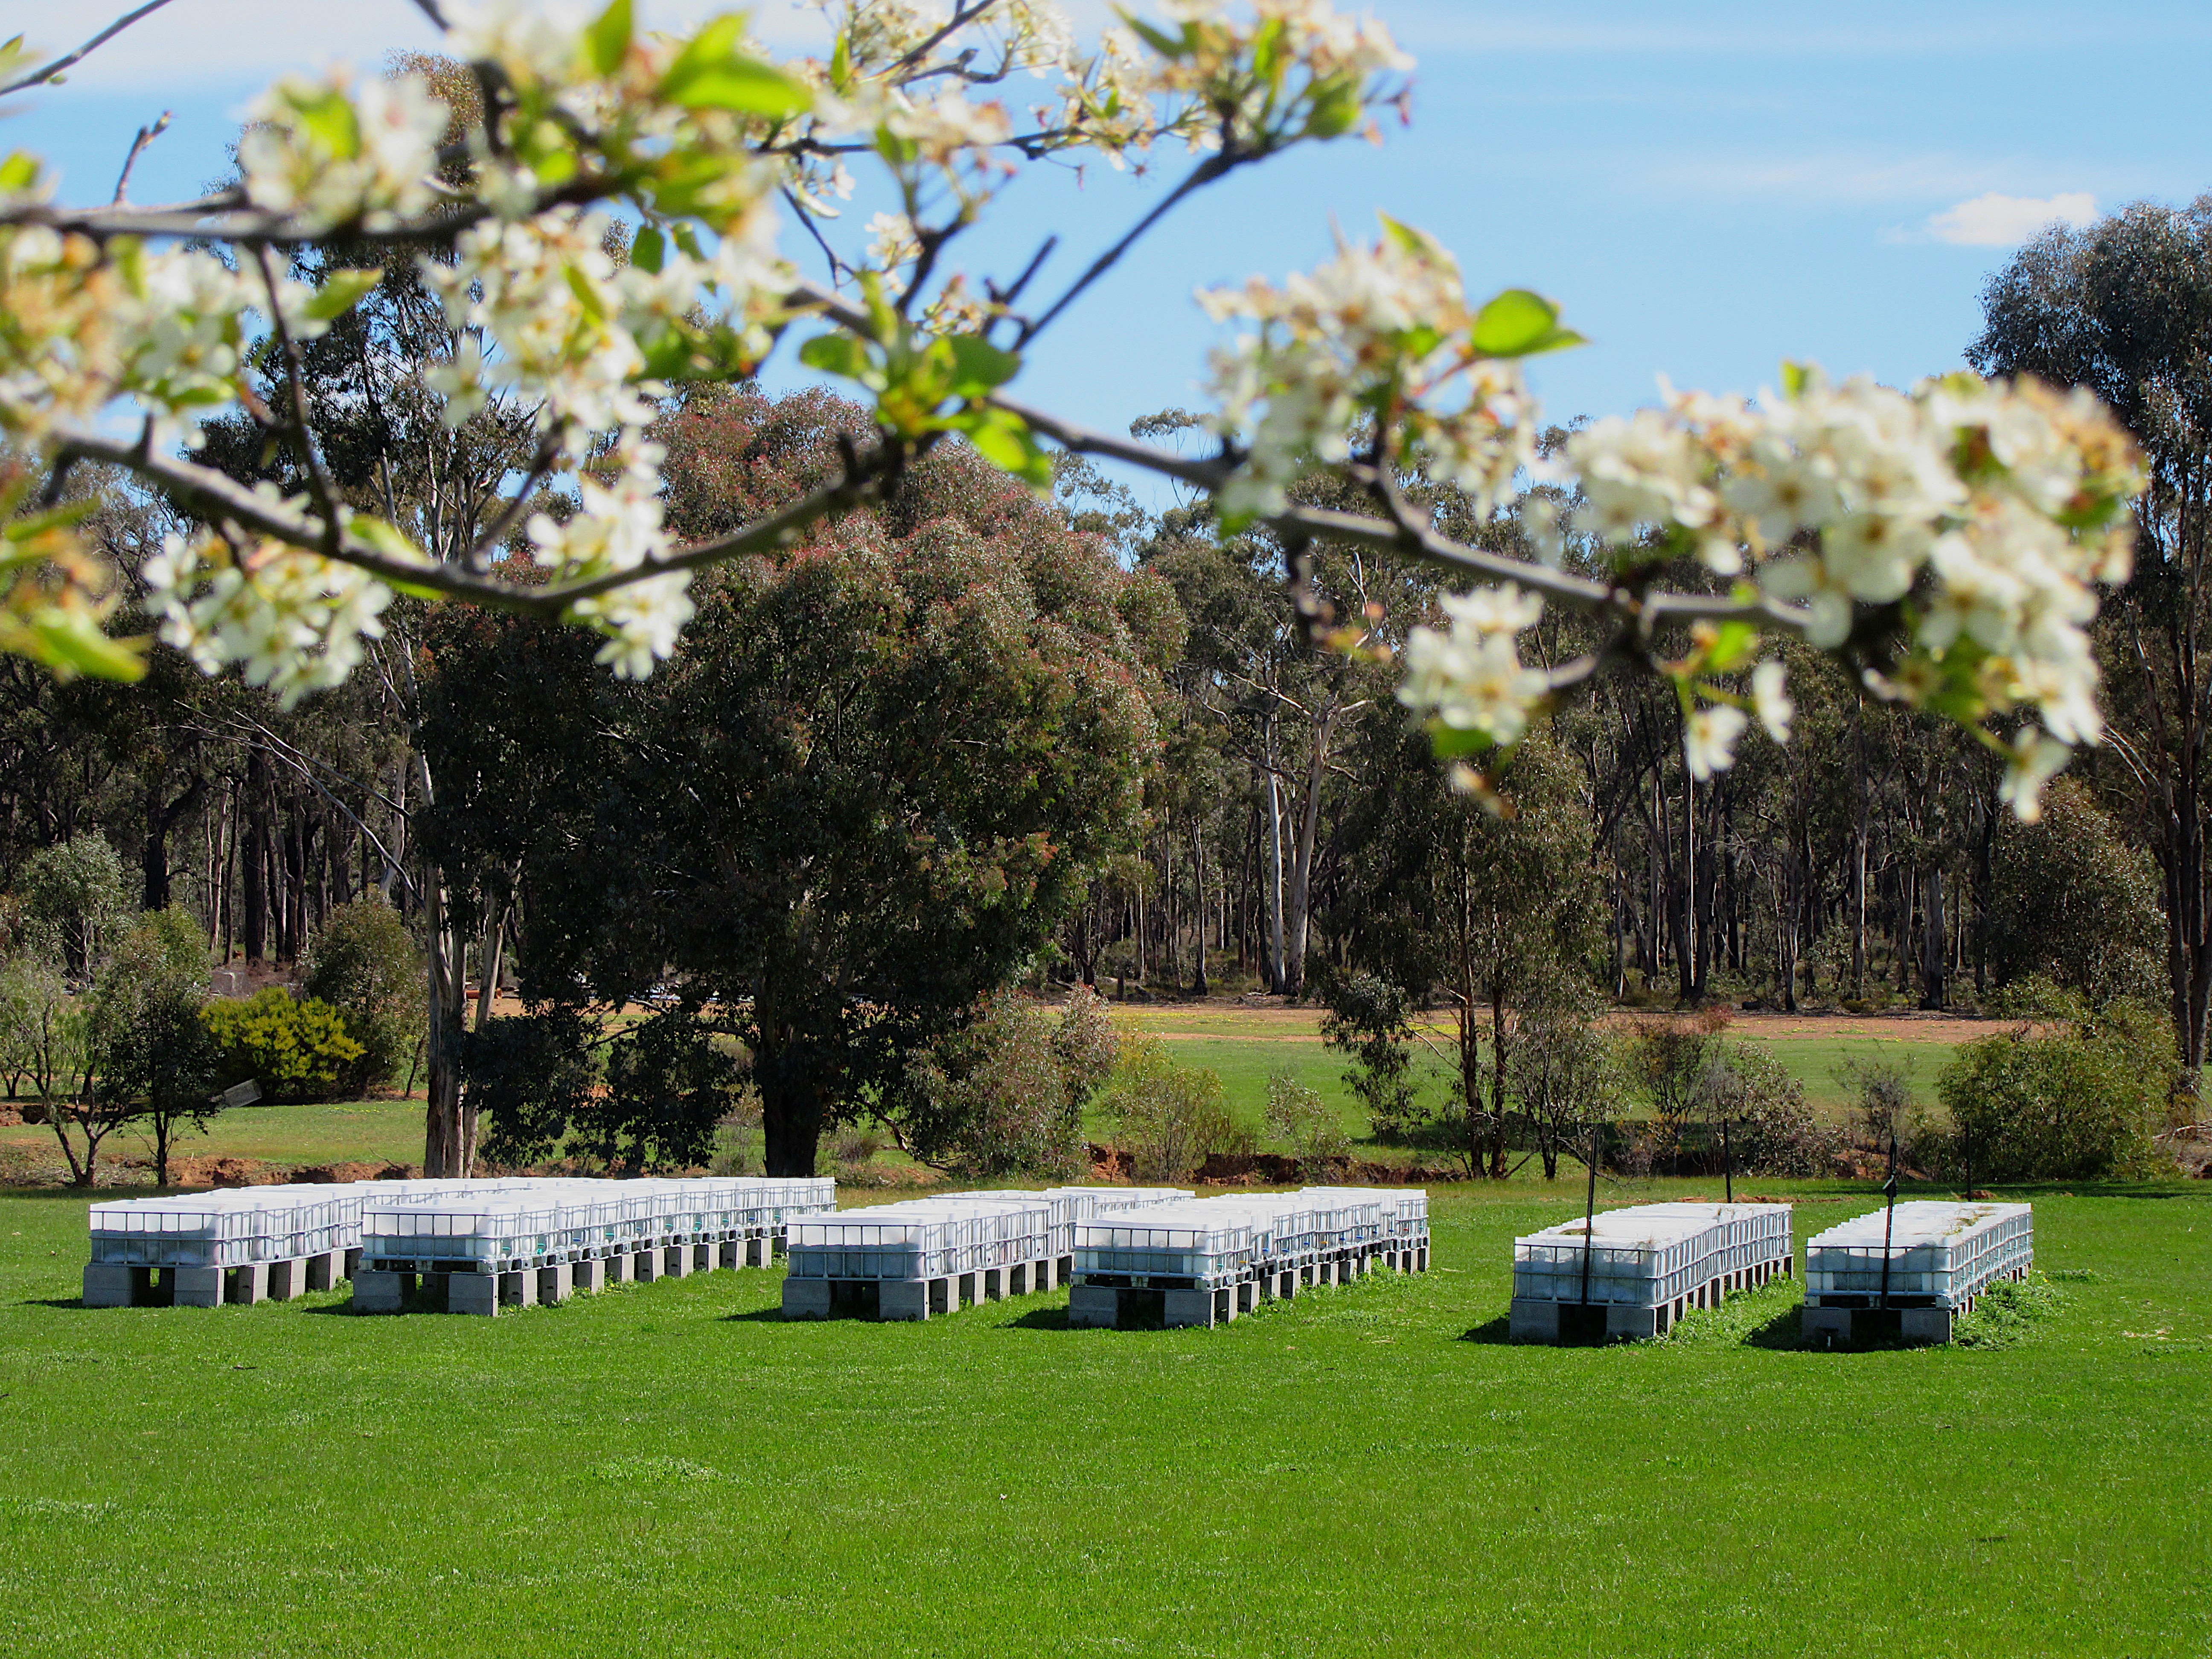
(1889, 1216)
(1728, 1164)
(1589, 1212)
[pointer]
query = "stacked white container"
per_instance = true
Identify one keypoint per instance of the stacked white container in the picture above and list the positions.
(1940, 1257)
(1645, 1266)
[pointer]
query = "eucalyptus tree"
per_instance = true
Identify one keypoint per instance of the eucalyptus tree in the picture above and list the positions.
(2123, 308)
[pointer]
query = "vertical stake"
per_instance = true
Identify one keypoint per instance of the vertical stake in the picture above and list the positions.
(1589, 1212)
(1888, 1216)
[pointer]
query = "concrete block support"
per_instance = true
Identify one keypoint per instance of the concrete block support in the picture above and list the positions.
(473, 1293)
(1095, 1305)
(905, 1298)
(553, 1282)
(1531, 1321)
(590, 1274)
(325, 1271)
(1924, 1324)
(375, 1292)
(807, 1298)
(1634, 1323)
(247, 1285)
(106, 1284)
(1183, 1307)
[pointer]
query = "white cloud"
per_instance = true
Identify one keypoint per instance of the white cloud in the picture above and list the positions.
(1994, 220)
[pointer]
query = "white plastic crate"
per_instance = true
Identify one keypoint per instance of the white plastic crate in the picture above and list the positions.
(1648, 1256)
(1940, 1254)
(1199, 1244)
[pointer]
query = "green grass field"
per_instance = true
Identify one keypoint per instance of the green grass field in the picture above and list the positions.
(670, 1469)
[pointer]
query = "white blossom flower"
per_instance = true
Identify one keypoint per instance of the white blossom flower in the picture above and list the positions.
(1771, 701)
(1709, 739)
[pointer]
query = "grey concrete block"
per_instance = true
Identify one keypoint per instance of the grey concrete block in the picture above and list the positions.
(807, 1298)
(1634, 1323)
(375, 1292)
(473, 1293)
(553, 1282)
(1186, 1308)
(106, 1284)
(1924, 1324)
(1819, 1324)
(1094, 1305)
(590, 1274)
(325, 1271)
(247, 1285)
(904, 1298)
(1533, 1320)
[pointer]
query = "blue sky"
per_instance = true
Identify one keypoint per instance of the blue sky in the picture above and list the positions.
(1705, 188)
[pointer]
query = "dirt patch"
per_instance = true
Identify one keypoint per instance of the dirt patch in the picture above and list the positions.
(332, 1174)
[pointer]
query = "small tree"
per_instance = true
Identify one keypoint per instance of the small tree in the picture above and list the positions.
(1170, 1118)
(1370, 1019)
(366, 965)
(150, 1056)
(1301, 1119)
(77, 890)
(1566, 1071)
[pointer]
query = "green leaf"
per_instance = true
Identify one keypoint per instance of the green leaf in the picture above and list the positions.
(341, 291)
(69, 643)
(1006, 444)
(1518, 322)
(608, 39)
(978, 366)
(1159, 40)
(1457, 743)
(650, 251)
(711, 73)
(835, 354)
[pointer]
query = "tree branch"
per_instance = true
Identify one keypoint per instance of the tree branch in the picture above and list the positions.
(40, 76)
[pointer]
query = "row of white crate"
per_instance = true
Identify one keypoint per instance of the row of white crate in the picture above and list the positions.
(1652, 1255)
(487, 1221)
(1210, 1244)
(1937, 1255)
(1649, 1255)
(954, 1234)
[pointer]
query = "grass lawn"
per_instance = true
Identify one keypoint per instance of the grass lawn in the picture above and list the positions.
(671, 1470)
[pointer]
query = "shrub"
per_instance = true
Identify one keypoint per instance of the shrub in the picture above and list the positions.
(2071, 1100)
(1298, 1116)
(1169, 1118)
(295, 1050)
(364, 964)
(1004, 1095)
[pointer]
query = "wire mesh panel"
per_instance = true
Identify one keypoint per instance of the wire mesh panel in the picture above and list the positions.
(1648, 1255)
(1939, 1255)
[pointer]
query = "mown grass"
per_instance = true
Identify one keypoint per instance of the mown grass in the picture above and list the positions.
(671, 1470)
